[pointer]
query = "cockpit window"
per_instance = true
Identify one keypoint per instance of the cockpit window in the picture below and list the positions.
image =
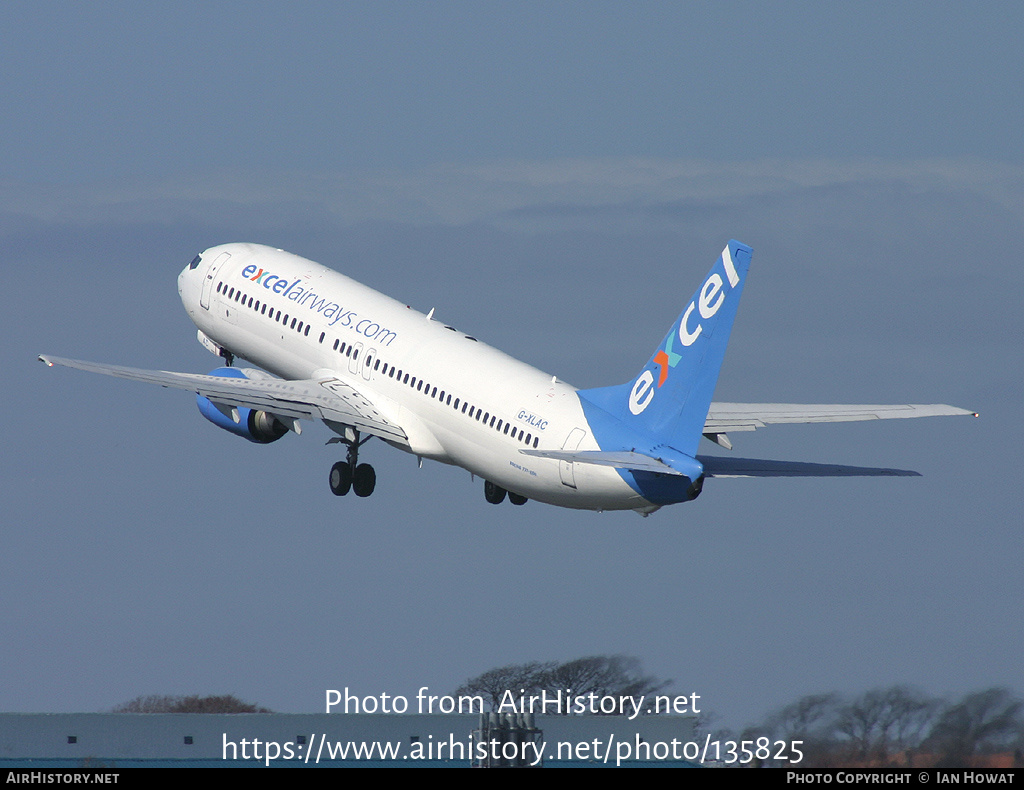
(195, 262)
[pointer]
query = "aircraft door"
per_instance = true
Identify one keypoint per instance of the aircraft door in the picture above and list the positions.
(371, 355)
(211, 274)
(356, 360)
(565, 468)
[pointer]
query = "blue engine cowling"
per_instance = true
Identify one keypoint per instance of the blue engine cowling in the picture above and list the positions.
(254, 425)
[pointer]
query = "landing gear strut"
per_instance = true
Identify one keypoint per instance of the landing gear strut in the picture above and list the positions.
(350, 474)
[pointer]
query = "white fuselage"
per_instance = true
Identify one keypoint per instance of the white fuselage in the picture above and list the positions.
(300, 320)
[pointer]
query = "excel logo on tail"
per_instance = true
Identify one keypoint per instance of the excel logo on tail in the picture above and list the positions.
(705, 303)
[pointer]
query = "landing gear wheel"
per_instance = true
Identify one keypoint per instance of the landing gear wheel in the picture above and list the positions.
(364, 480)
(350, 474)
(493, 493)
(516, 499)
(341, 478)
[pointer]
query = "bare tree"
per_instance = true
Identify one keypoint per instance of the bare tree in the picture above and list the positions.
(884, 721)
(811, 720)
(155, 703)
(911, 714)
(812, 715)
(528, 678)
(615, 676)
(881, 723)
(860, 721)
(985, 721)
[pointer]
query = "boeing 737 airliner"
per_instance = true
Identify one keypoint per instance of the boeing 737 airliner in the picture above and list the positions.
(367, 366)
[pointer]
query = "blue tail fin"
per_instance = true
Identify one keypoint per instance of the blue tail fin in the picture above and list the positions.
(667, 403)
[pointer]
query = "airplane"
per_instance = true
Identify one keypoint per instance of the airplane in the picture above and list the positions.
(330, 349)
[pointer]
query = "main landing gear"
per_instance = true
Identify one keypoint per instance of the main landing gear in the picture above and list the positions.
(350, 474)
(495, 494)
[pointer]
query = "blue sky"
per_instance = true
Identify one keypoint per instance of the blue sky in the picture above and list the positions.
(554, 179)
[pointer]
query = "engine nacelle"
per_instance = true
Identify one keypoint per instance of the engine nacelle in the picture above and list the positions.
(257, 426)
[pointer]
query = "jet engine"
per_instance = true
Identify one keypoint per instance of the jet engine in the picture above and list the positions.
(257, 426)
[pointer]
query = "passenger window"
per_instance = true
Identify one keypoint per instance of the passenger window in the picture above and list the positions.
(464, 405)
(536, 439)
(456, 404)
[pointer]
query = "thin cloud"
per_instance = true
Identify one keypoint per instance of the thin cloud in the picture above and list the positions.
(566, 192)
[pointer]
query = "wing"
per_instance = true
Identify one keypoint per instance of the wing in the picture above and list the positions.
(309, 399)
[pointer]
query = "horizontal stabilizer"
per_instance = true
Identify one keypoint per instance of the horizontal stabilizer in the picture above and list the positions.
(637, 462)
(727, 417)
(723, 466)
